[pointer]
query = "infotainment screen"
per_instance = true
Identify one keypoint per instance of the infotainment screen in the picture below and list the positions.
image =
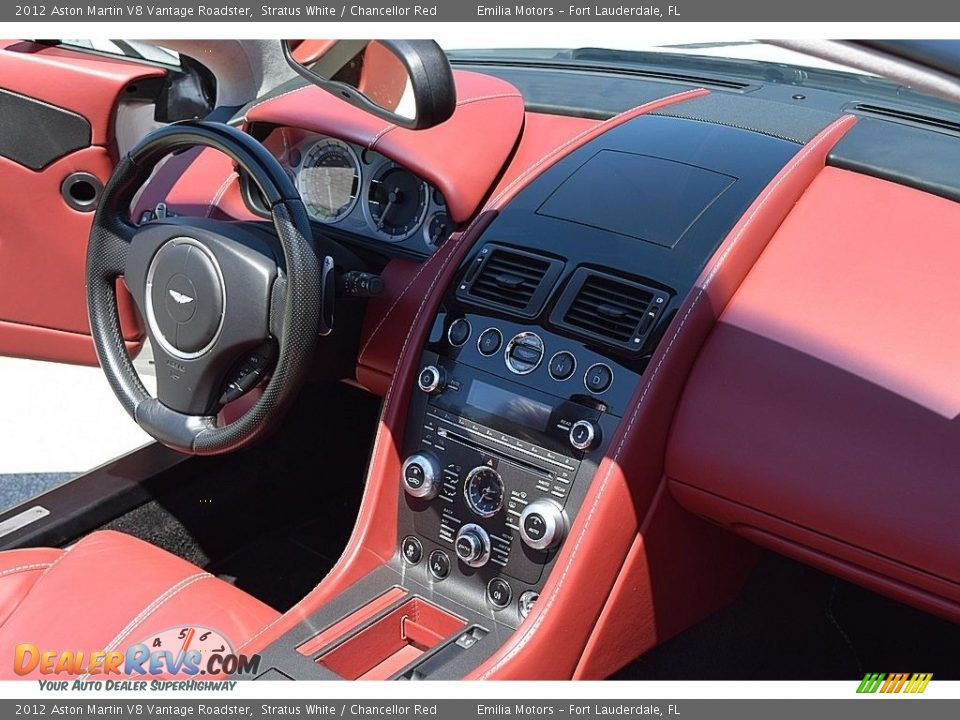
(508, 406)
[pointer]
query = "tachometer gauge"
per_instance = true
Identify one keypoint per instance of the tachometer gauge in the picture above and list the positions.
(329, 180)
(397, 201)
(483, 491)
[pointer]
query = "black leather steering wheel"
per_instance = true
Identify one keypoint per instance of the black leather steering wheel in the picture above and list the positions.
(220, 304)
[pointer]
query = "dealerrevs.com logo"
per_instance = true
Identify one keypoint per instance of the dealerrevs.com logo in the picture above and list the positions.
(887, 683)
(181, 652)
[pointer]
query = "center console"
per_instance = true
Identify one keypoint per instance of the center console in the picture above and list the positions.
(505, 436)
(533, 358)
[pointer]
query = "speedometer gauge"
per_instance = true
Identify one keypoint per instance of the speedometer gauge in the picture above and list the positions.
(329, 180)
(397, 201)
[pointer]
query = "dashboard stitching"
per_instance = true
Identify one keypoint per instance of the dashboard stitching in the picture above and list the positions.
(701, 292)
(246, 115)
(460, 103)
(493, 204)
(384, 131)
(221, 191)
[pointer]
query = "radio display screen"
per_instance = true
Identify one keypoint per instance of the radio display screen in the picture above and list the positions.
(509, 406)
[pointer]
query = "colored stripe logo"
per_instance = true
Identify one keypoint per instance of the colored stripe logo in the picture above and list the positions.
(894, 683)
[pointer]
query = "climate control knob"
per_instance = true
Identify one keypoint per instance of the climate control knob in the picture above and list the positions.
(584, 435)
(543, 524)
(432, 380)
(421, 476)
(473, 545)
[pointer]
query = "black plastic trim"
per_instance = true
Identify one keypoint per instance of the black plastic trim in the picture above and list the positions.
(906, 155)
(90, 500)
(35, 133)
(81, 191)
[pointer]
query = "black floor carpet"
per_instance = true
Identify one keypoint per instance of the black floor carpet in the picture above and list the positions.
(791, 622)
(273, 519)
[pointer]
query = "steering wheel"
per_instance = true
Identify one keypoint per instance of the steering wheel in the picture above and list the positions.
(223, 309)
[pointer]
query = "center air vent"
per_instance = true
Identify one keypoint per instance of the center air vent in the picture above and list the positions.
(611, 309)
(515, 281)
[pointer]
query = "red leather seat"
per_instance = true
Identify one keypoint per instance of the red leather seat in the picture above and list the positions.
(110, 591)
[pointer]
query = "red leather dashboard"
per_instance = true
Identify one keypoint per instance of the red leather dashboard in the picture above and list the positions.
(821, 418)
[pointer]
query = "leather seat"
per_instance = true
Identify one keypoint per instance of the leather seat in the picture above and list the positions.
(109, 591)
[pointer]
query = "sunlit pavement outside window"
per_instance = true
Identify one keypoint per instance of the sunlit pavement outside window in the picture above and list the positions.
(58, 421)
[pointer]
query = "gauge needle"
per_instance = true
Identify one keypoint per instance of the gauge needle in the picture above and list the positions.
(392, 197)
(189, 638)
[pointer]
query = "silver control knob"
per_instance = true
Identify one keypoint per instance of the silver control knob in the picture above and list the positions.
(432, 380)
(584, 435)
(543, 524)
(473, 545)
(421, 476)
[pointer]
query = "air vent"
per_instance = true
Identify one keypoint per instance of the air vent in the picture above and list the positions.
(906, 116)
(509, 279)
(611, 309)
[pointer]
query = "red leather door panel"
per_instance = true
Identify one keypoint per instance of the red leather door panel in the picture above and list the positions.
(43, 241)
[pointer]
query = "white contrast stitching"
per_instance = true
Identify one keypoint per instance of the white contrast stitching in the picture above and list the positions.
(492, 96)
(384, 131)
(218, 196)
(24, 568)
(154, 606)
(701, 292)
(460, 103)
(253, 107)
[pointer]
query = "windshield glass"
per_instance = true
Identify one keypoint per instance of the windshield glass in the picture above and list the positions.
(745, 62)
(733, 50)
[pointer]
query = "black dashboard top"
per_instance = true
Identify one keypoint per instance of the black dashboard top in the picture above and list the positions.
(618, 230)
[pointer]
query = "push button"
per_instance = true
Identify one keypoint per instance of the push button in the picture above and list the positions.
(562, 365)
(598, 378)
(412, 550)
(499, 592)
(489, 342)
(439, 563)
(524, 353)
(414, 477)
(459, 332)
(534, 526)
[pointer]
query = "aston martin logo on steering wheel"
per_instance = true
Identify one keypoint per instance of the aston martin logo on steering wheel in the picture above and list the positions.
(180, 298)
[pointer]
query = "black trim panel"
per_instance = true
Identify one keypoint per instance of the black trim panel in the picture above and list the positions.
(85, 503)
(35, 134)
(793, 123)
(920, 159)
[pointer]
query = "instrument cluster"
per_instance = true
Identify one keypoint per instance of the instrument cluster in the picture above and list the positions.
(362, 192)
